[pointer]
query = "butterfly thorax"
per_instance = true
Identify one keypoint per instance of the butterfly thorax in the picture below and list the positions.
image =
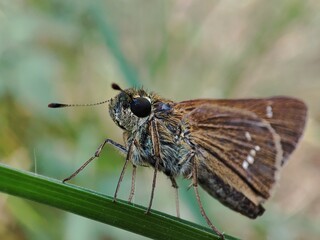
(173, 152)
(138, 135)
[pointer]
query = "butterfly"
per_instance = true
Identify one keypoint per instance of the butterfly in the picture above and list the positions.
(233, 149)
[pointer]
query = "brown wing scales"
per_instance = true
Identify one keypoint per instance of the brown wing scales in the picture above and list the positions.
(240, 141)
(241, 145)
(287, 116)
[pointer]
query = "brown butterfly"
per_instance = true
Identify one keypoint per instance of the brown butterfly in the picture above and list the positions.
(233, 149)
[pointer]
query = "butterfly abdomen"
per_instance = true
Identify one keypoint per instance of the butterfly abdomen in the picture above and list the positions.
(226, 194)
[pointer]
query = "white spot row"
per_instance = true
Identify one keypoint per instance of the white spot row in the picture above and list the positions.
(250, 157)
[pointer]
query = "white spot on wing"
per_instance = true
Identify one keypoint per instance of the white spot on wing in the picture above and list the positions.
(269, 112)
(248, 136)
(250, 159)
(257, 148)
(252, 152)
(245, 164)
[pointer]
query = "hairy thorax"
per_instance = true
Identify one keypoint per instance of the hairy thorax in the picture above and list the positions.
(174, 150)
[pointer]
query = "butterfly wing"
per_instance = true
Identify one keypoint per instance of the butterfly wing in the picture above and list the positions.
(241, 145)
(287, 116)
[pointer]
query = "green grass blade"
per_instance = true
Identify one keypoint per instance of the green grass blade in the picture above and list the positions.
(99, 207)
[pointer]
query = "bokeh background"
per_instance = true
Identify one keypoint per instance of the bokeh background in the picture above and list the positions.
(71, 51)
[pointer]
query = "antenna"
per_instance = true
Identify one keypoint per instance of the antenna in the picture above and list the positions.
(118, 88)
(61, 105)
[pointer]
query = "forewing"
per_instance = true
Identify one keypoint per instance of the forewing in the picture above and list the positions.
(287, 116)
(237, 145)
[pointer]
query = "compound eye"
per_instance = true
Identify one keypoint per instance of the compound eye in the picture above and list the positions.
(141, 107)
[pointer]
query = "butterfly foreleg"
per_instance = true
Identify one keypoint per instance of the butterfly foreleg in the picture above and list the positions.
(153, 128)
(118, 146)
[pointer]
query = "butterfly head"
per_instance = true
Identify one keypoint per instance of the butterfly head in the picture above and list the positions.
(129, 107)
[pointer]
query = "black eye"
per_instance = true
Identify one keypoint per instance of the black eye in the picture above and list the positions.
(141, 107)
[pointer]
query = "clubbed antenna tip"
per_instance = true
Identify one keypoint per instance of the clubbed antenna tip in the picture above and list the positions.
(57, 105)
(116, 87)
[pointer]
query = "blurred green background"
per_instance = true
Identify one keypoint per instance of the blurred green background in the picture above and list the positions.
(71, 51)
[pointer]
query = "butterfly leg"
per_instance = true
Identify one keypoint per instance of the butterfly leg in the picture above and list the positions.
(128, 157)
(118, 146)
(203, 213)
(175, 186)
(156, 151)
(153, 185)
(133, 180)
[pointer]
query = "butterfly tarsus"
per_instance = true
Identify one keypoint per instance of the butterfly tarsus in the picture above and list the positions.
(133, 180)
(175, 186)
(153, 185)
(122, 172)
